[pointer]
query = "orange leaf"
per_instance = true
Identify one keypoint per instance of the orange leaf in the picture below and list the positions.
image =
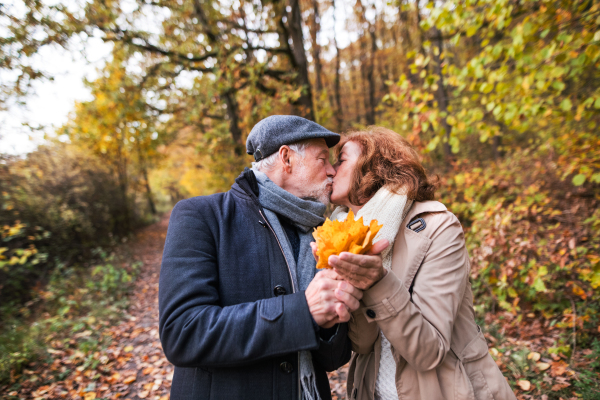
(579, 292)
(335, 237)
(559, 368)
(148, 370)
(560, 386)
(129, 379)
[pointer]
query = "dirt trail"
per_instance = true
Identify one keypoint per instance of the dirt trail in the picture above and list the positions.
(137, 366)
(142, 371)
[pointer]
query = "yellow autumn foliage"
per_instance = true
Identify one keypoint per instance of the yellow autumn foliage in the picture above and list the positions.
(335, 237)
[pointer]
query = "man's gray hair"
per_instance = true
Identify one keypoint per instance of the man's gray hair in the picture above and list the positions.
(267, 163)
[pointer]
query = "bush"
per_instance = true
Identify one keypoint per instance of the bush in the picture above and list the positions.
(72, 312)
(532, 231)
(57, 204)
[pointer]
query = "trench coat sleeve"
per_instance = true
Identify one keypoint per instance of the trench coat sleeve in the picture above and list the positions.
(362, 333)
(195, 331)
(420, 329)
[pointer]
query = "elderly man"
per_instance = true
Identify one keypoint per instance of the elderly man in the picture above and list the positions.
(242, 313)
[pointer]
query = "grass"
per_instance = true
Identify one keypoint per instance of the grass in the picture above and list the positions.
(69, 313)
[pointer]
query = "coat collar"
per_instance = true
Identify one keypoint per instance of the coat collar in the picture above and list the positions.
(247, 181)
(246, 186)
(411, 247)
(422, 207)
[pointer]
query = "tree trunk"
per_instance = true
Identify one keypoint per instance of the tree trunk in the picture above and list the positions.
(355, 84)
(123, 218)
(496, 143)
(365, 67)
(404, 26)
(416, 43)
(234, 123)
(338, 100)
(441, 95)
(229, 93)
(299, 60)
(384, 73)
(371, 75)
(148, 191)
(316, 49)
(144, 170)
(368, 65)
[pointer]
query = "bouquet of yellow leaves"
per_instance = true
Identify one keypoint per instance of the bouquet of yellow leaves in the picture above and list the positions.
(335, 237)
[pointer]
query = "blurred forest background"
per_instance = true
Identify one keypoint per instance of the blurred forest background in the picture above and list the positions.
(501, 97)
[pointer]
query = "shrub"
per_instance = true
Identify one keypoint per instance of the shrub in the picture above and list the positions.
(532, 232)
(57, 204)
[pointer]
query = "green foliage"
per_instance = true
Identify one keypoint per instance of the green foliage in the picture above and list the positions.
(19, 258)
(516, 82)
(70, 312)
(531, 234)
(56, 204)
(107, 278)
(588, 384)
(515, 73)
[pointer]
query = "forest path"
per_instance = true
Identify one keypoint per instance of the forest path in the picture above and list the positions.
(138, 367)
(133, 365)
(142, 371)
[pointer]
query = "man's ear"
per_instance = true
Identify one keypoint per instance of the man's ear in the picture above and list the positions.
(285, 156)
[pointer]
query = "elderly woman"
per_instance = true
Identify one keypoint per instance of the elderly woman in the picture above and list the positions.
(414, 336)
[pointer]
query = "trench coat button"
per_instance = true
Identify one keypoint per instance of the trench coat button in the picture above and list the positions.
(279, 290)
(286, 367)
(371, 313)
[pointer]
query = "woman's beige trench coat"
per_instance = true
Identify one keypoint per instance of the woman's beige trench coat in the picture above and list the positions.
(425, 309)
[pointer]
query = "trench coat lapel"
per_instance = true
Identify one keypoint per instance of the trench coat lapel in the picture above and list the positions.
(410, 245)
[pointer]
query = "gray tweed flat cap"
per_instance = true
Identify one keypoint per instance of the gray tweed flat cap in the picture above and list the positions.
(273, 132)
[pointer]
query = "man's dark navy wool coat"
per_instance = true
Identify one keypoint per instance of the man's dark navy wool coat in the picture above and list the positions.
(229, 321)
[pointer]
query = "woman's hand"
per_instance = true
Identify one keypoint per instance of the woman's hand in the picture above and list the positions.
(360, 270)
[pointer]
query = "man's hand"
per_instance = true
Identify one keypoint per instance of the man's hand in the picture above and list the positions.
(330, 299)
(361, 271)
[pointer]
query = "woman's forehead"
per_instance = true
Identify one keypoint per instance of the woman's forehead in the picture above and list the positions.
(350, 147)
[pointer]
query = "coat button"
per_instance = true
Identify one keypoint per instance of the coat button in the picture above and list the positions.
(371, 313)
(279, 290)
(286, 367)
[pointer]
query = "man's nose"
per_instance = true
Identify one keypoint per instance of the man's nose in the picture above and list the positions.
(330, 170)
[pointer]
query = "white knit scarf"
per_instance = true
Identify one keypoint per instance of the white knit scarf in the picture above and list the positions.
(388, 209)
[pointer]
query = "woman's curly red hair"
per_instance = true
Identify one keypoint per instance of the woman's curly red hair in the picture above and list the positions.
(387, 159)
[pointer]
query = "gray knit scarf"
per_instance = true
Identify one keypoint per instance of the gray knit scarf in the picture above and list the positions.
(305, 215)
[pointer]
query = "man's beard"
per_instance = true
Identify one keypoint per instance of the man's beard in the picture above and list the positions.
(318, 192)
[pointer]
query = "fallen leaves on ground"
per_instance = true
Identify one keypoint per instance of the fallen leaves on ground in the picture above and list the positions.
(133, 366)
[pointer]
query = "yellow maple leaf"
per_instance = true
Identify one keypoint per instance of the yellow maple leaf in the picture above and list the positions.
(335, 237)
